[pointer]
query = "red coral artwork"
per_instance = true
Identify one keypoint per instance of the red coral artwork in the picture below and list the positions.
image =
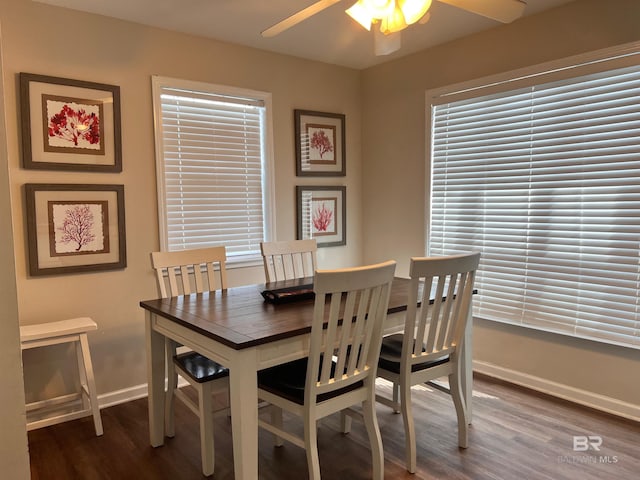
(323, 215)
(322, 218)
(75, 126)
(321, 142)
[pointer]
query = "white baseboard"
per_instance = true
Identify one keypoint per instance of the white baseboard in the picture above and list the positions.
(116, 397)
(110, 399)
(576, 395)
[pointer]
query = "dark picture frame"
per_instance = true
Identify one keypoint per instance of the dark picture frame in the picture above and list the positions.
(69, 124)
(75, 228)
(322, 214)
(320, 144)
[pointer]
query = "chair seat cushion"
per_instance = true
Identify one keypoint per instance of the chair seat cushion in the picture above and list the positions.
(200, 368)
(288, 381)
(391, 353)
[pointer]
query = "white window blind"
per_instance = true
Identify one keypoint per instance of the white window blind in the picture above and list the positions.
(213, 169)
(545, 182)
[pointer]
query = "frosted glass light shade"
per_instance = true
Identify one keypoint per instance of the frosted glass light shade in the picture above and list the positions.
(414, 10)
(393, 23)
(379, 8)
(360, 14)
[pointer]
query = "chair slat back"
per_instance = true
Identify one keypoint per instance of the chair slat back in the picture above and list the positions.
(289, 259)
(190, 271)
(434, 329)
(360, 296)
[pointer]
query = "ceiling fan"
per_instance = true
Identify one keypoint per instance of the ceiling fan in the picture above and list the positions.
(396, 15)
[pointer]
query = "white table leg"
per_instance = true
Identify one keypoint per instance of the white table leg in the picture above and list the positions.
(155, 381)
(243, 386)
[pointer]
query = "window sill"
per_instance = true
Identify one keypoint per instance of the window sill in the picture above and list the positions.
(245, 262)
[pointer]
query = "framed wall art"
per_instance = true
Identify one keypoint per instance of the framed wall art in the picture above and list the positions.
(75, 228)
(320, 143)
(322, 214)
(69, 124)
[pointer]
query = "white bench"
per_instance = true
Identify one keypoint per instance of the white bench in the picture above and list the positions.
(54, 333)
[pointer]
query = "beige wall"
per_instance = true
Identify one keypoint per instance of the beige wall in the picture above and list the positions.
(58, 42)
(14, 459)
(385, 132)
(394, 180)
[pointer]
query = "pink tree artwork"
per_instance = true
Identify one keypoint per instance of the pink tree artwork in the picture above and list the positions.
(79, 227)
(73, 125)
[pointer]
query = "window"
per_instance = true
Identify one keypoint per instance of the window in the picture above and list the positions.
(213, 160)
(542, 175)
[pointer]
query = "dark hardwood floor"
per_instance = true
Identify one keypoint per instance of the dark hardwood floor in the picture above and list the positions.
(516, 434)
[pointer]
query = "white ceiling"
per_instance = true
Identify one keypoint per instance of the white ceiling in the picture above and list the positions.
(330, 36)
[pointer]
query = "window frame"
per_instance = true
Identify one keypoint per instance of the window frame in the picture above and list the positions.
(268, 167)
(571, 67)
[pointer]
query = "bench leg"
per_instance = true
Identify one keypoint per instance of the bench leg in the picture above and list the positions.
(91, 384)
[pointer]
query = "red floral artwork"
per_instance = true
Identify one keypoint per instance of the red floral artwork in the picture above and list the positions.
(77, 226)
(75, 125)
(321, 142)
(322, 218)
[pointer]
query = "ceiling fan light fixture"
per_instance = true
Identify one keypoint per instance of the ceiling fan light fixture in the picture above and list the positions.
(414, 10)
(394, 22)
(358, 11)
(379, 8)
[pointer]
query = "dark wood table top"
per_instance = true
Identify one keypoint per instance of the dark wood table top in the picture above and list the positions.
(240, 318)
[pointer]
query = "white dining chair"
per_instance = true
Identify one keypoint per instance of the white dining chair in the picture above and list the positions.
(183, 273)
(430, 346)
(340, 369)
(288, 260)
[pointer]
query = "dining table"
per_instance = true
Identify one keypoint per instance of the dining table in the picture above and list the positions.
(247, 331)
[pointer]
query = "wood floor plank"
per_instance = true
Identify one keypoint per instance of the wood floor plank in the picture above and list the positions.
(516, 434)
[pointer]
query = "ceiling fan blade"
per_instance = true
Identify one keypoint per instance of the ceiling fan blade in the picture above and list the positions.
(298, 17)
(505, 11)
